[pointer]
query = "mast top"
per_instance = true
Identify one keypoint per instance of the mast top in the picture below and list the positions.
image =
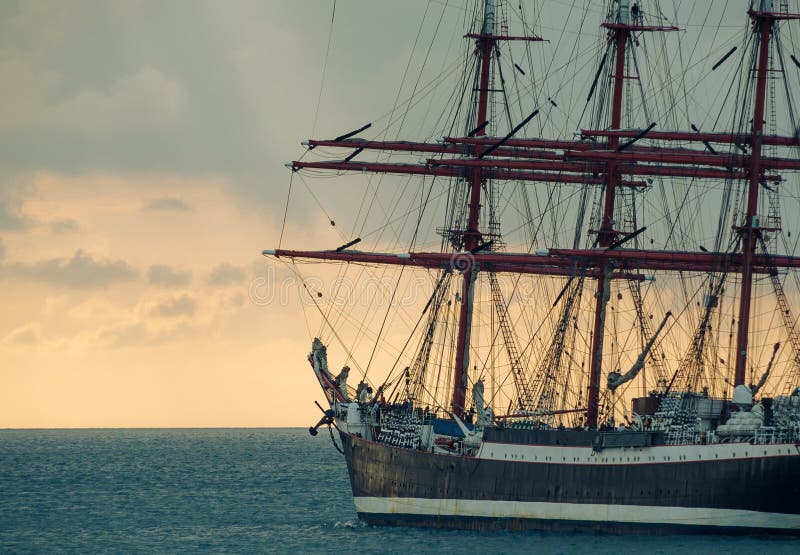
(624, 11)
(488, 17)
(487, 29)
(630, 17)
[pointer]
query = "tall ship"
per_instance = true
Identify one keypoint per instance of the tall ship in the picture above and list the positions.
(587, 272)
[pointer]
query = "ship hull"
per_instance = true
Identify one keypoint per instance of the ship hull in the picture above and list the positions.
(752, 494)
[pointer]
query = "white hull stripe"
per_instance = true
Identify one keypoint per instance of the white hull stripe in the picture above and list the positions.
(635, 514)
(633, 455)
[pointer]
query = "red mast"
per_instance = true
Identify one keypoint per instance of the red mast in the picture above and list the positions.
(606, 233)
(622, 28)
(472, 236)
(750, 229)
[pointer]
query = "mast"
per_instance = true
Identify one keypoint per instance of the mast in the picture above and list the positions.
(750, 230)
(606, 233)
(472, 236)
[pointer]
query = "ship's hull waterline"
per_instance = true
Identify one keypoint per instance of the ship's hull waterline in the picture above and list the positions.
(405, 487)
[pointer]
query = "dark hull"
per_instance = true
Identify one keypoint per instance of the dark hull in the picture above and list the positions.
(755, 494)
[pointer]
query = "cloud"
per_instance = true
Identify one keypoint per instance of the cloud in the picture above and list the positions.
(158, 321)
(125, 334)
(132, 334)
(196, 95)
(167, 276)
(168, 204)
(225, 274)
(79, 272)
(183, 305)
(29, 334)
(24, 336)
(67, 225)
(138, 96)
(11, 216)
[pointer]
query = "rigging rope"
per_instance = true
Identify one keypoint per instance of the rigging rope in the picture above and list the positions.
(324, 71)
(286, 209)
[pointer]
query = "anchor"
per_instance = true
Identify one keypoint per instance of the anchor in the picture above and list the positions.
(327, 419)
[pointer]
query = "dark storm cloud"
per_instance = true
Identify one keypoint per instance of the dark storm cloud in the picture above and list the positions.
(168, 276)
(81, 271)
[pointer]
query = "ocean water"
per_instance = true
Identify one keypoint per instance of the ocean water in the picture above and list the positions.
(238, 491)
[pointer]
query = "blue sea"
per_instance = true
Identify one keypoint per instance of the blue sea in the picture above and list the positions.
(238, 491)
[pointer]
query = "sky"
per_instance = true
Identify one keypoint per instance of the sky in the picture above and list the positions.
(141, 174)
(142, 146)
